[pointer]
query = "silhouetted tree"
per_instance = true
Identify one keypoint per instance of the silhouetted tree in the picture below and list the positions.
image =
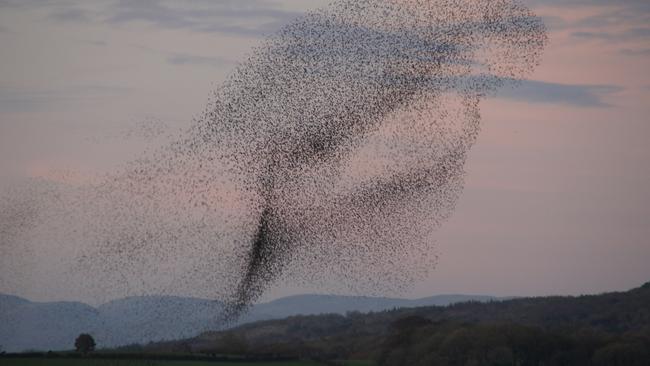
(84, 343)
(233, 343)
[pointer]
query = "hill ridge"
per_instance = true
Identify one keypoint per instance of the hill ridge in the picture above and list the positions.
(141, 319)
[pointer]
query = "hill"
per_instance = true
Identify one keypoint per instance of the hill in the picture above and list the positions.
(144, 319)
(606, 329)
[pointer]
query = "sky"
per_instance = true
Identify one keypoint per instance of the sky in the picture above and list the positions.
(557, 193)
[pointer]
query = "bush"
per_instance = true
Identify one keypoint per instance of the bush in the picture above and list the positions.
(84, 343)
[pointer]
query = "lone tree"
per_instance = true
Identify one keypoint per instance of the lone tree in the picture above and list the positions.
(84, 343)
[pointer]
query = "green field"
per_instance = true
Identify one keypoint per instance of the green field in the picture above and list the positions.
(96, 362)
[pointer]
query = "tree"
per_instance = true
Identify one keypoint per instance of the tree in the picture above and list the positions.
(233, 343)
(84, 343)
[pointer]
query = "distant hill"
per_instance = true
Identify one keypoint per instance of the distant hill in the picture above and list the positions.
(607, 329)
(55, 325)
(27, 325)
(334, 304)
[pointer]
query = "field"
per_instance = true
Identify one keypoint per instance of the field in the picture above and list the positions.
(96, 362)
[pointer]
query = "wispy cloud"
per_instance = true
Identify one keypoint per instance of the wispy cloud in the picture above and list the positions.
(608, 20)
(250, 18)
(70, 14)
(627, 35)
(616, 17)
(183, 58)
(20, 100)
(639, 4)
(187, 59)
(94, 42)
(636, 51)
(244, 18)
(19, 3)
(555, 22)
(555, 93)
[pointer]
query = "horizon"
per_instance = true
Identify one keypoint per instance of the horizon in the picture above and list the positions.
(267, 301)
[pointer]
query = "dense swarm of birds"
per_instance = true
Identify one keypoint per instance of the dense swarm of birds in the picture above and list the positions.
(328, 158)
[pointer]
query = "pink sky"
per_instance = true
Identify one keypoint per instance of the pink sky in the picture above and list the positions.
(557, 196)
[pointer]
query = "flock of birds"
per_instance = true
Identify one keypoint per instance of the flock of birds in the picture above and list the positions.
(328, 157)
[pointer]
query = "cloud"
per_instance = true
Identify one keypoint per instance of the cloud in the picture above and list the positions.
(19, 3)
(181, 58)
(15, 100)
(532, 91)
(93, 42)
(555, 22)
(62, 11)
(636, 51)
(70, 14)
(639, 4)
(187, 59)
(250, 18)
(555, 93)
(615, 17)
(610, 20)
(627, 35)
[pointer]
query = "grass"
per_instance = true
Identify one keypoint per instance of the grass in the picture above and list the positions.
(99, 362)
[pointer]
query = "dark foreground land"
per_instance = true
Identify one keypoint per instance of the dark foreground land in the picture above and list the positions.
(111, 358)
(611, 329)
(99, 362)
